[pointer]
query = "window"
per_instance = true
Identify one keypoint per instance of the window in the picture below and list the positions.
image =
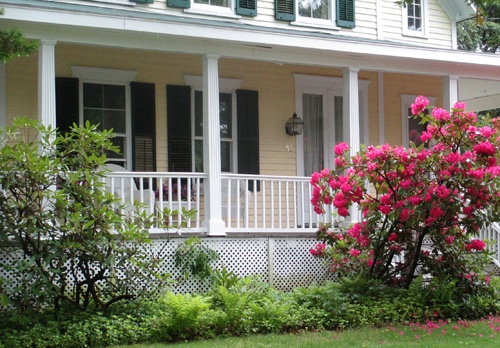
(111, 99)
(318, 12)
(415, 18)
(318, 9)
(320, 104)
(239, 127)
(105, 106)
(226, 131)
(412, 129)
(224, 8)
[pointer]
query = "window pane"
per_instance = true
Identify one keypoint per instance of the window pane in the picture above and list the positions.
(92, 95)
(226, 115)
(198, 114)
(120, 143)
(418, 24)
(313, 133)
(94, 116)
(339, 119)
(114, 97)
(225, 156)
(116, 120)
(202, 2)
(198, 156)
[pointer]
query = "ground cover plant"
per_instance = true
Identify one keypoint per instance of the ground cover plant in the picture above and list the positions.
(443, 190)
(250, 307)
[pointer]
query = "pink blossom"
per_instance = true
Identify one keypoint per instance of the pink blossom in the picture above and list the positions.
(343, 212)
(486, 132)
(459, 106)
(475, 244)
(384, 209)
(449, 240)
(485, 148)
(440, 114)
(392, 237)
(354, 252)
(340, 148)
(426, 136)
(419, 105)
(436, 212)
(318, 250)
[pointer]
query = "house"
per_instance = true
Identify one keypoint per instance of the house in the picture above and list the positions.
(198, 92)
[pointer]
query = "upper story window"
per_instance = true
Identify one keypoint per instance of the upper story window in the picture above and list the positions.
(415, 18)
(318, 9)
(221, 3)
(223, 8)
(318, 13)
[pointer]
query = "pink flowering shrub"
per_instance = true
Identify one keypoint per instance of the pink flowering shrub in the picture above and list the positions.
(443, 190)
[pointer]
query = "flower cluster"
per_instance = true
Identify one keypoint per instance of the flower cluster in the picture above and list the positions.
(173, 192)
(442, 190)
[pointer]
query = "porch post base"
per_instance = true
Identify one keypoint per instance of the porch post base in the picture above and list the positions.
(215, 228)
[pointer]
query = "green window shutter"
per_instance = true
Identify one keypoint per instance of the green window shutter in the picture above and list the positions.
(179, 3)
(248, 133)
(345, 13)
(67, 103)
(179, 128)
(143, 110)
(143, 1)
(284, 10)
(246, 7)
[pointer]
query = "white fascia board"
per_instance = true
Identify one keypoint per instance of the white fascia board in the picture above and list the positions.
(247, 43)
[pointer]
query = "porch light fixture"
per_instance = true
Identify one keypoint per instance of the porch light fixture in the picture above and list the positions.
(294, 125)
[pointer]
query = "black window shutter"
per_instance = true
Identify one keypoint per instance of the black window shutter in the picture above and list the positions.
(66, 103)
(246, 7)
(143, 110)
(248, 133)
(284, 10)
(179, 128)
(179, 3)
(345, 13)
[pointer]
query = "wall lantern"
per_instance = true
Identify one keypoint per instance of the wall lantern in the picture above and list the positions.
(294, 125)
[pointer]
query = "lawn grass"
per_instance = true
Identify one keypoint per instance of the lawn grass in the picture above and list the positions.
(480, 333)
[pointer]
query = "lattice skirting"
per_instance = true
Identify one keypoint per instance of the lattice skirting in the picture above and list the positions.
(285, 263)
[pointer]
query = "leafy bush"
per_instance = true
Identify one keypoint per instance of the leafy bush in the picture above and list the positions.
(444, 191)
(79, 245)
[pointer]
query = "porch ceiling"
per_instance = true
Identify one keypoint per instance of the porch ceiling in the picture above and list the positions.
(479, 94)
(153, 31)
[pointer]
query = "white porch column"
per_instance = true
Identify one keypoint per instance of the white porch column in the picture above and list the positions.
(351, 121)
(211, 147)
(47, 83)
(450, 92)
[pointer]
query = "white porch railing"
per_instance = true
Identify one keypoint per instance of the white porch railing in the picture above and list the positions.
(492, 233)
(250, 203)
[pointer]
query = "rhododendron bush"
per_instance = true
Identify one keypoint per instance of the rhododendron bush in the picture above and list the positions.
(442, 191)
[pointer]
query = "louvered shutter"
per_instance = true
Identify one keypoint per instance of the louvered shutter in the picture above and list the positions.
(66, 103)
(179, 128)
(248, 132)
(284, 10)
(179, 3)
(345, 13)
(246, 7)
(143, 110)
